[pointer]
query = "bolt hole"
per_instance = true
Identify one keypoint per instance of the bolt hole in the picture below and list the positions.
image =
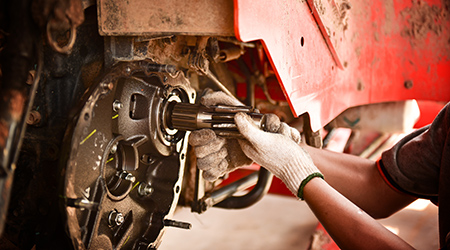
(302, 41)
(86, 116)
(177, 189)
(408, 84)
(182, 156)
(193, 95)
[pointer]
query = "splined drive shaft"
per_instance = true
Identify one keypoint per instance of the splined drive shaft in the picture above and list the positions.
(189, 117)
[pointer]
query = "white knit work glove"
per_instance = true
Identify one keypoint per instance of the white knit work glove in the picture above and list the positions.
(277, 153)
(217, 156)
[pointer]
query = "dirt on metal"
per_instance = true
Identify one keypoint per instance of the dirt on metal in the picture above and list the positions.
(423, 19)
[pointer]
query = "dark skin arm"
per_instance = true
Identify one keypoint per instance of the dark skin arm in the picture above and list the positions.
(348, 225)
(359, 181)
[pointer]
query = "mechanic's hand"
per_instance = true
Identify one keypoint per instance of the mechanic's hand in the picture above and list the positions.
(278, 153)
(217, 156)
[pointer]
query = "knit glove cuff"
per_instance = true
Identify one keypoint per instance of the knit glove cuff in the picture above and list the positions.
(297, 174)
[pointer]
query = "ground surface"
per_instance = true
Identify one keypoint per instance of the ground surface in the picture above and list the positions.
(278, 222)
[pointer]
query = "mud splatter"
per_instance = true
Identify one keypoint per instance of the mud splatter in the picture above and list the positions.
(422, 19)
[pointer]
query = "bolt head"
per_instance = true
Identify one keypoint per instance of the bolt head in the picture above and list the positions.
(130, 177)
(113, 149)
(119, 219)
(144, 189)
(117, 105)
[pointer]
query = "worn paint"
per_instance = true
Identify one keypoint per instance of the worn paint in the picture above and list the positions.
(384, 44)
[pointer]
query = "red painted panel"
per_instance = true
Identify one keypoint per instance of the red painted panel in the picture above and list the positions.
(390, 50)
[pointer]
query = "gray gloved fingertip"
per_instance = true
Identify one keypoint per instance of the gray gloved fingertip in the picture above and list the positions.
(271, 123)
(201, 137)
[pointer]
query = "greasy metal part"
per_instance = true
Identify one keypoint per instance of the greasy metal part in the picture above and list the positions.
(264, 176)
(230, 54)
(179, 224)
(159, 49)
(21, 50)
(190, 117)
(115, 218)
(214, 79)
(126, 159)
(235, 41)
(35, 199)
(66, 49)
(217, 196)
(221, 120)
(140, 17)
(198, 60)
(312, 138)
(145, 189)
(258, 191)
(34, 118)
(82, 203)
(66, 14)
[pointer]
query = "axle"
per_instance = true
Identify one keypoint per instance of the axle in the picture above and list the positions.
(189, 117)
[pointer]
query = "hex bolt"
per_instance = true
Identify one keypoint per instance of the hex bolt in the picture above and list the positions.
(113, 149)
(115, 218)
(147, 159)
(168, 137)
(127, 176)
(117, 105)
(34, 117)
(145, 189)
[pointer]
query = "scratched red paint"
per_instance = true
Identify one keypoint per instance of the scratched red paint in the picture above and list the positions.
(377, 54)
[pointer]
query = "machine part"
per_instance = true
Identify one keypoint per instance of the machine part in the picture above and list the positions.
(189, 117)
(66, 49)
(109, 159)
(308, 70)
(21, 51)
(140, 18)
(216, 81)
(34, 118)
(223, 193)
(388, 117)
(198, 60)
(179, 224)
(145, 189)
(258, 191)
(230, 54)
(117, 105)
(115, 218)
(81, 203)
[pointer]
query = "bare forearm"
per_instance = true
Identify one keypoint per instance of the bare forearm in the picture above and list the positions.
(358, 180)
(349, 226)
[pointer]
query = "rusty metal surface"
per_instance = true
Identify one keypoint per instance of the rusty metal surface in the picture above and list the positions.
(143, 17)
(390, 51)
(62, 14)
